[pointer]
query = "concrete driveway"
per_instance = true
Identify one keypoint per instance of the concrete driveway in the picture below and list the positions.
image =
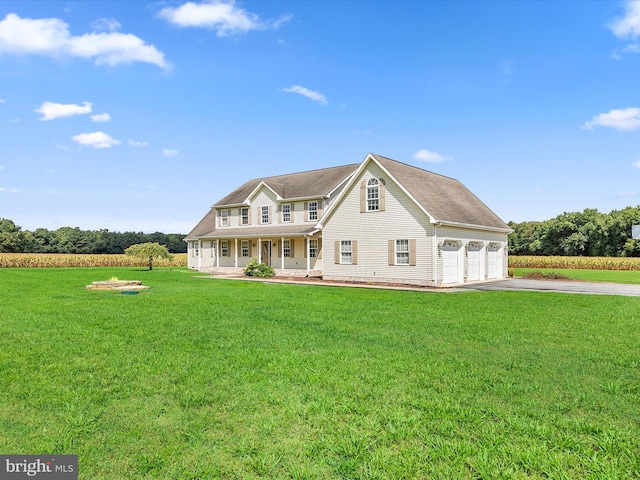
(562, 286)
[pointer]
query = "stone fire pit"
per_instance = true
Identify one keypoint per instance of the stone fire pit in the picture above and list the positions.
(117, 285)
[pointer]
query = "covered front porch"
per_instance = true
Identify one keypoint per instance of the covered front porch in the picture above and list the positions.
(290, 251)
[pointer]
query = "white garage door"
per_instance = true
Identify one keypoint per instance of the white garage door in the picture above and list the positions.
(473, 262)
(449, 262)
(492, 253)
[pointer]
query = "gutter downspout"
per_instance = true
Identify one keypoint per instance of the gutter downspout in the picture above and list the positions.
(199, 255)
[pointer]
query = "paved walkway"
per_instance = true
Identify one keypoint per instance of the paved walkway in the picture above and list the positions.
(518, 284)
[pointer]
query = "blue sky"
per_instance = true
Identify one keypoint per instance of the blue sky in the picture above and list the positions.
(139, 115)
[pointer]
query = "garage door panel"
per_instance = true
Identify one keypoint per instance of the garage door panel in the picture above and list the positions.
(473, 262)
(449, 262)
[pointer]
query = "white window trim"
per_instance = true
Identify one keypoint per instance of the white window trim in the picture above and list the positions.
(405, 253)
(314, 211)
(373, 188)
(313, 251)
(287, 213)
(344, 251)
(264, 209)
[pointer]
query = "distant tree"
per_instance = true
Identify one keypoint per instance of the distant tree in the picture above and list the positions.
(148, 251)
(11, 236)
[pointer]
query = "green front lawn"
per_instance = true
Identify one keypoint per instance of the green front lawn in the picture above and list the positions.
(203, 378)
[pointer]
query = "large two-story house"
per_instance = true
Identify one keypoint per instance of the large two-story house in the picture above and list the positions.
(375, 221)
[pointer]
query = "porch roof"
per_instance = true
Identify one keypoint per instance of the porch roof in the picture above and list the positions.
(260, 232)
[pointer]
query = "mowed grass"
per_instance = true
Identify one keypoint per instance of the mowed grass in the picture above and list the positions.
(614, 276)
(203, 378)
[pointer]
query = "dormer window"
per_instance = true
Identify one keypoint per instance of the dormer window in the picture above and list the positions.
(224, 218)
(264, 216)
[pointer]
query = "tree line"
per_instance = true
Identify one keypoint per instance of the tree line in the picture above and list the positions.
(589, 233)
(73, 240)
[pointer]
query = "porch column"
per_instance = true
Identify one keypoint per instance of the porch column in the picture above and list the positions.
(217, 253)
(235, 252)
(308, 248)
(200, 244)
(282, 252)
(259, 250)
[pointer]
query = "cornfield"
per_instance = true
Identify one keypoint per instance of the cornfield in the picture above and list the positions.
(52, 260)
(584, 263)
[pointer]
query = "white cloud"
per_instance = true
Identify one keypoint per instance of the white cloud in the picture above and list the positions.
(1, 100)
(51, 110)
(106, 25)
(51, 37)
(135, 143)
(305, 92)
(11, 190)
(636, 164)
(624, 119)
(223, 17)
(96, 140)
(169, 152)
(629, 25)
(427, 156)
(101, 117)
(627, 28)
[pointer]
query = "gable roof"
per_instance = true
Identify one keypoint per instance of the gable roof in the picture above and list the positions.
(309, 184)
(313, 183)
(445, 199)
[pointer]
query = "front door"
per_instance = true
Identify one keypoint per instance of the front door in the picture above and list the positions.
(266, 252)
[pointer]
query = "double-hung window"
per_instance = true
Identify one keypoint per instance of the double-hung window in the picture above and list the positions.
(224, 218)
(244, 216)
(313, 210)
(286, 212)
(373, 195)
(286, 248)
(244, 248)
(264, 214)
(313, 248)
(402, 252)
(224, 248)
(196, 249)
(345, 252)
